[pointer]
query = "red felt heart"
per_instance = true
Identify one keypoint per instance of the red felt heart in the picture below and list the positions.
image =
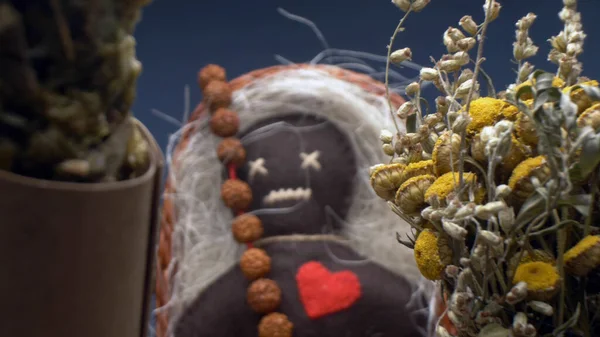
(323, 292)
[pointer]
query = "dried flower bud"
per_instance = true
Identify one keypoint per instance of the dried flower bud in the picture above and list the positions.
(521, 36)
(467, 23)
(450, 66)
(526, 22)
(566, 14)
(405, 5)
(462, 57)
(490, 238)
(441, 105)
(428, 74)
(401, 55)
(542, 307)
(466, 44)
(464, 212)
(388, 149)
(559, 43)
(519, 321)
(386, 136)
(574, 49)
(405, 109)
(494, 11)
(570, 3)
(374, 168)
(525, 70)
(576, 37)
(461, 122)
(453, 230)
(517, 293)
(412, 89)
(464, 89)
(399, 148)
(530, 51)
(454, 34)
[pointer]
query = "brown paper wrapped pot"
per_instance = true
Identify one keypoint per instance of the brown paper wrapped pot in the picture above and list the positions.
(77, 259)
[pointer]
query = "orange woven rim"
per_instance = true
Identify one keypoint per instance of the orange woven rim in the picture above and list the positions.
(162, 289)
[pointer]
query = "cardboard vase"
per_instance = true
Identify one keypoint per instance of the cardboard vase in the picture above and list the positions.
(78, 259)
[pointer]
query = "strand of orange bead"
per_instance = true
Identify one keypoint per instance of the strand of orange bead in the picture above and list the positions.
(263, 294)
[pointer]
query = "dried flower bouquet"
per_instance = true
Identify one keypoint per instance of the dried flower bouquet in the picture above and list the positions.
(502, 190)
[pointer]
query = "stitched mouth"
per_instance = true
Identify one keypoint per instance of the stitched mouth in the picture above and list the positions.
(287, 194)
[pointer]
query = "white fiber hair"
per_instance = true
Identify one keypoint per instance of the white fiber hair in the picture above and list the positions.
(203, 247)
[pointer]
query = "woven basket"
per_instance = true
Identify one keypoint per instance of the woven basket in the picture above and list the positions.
(168, 215)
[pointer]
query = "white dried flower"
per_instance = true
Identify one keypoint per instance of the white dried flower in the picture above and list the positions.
(525, 70)
(502, 191)
(412, 89)
(429, 74)
(405, 109)
(566, 14)
(506, 219)
(401, 55)
(460, 123)
(386, 136)
(542, 307)
(494, 12)
(388, 149)
(450, 65)
(576, 37)
(490, 238)
(503, 126)
(466, 44)
(462, 57)
(467, 23)
(574, 49)
(464, 89)
(488, 133)
(570, 3)
(526, 22)
(453, 230)
(405, 5)
(519, 321)
(454, 34)
(464, 212)
(530, 51)
(517, 293)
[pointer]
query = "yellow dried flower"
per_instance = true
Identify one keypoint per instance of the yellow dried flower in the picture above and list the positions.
(417, 169)
(557, 82)
(445, 151)
(536, 255)
(579, 97)
(432, 254)
(525, 130)
(410, 197)
(520, 180)
(386, 179)
(486, 111)
(542, 279)
(590, 117)
(584, 256)
(445, 185)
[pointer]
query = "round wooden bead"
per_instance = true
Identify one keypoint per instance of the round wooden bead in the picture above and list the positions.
(231, 150)
(255, 263)
(247, 228)
(275, 324)
(217, 95)
(224, 123)
(209, 73)
(264, 296)
(236, 194)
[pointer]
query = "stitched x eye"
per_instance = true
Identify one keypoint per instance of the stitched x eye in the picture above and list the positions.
(310, 160)
(257, 167)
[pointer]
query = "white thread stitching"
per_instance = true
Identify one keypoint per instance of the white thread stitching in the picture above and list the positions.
(257, 166)
(311, 159)
(287, 194)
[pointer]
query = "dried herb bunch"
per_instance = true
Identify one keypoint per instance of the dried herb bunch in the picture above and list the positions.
(67, 81)
(502, 190)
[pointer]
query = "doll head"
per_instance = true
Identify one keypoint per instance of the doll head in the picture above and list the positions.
(301, 170)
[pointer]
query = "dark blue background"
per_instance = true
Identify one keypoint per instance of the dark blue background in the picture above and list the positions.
(177, 37)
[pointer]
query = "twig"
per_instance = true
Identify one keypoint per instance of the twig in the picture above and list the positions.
(387, 68)
(478, 61)
(63, 30)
